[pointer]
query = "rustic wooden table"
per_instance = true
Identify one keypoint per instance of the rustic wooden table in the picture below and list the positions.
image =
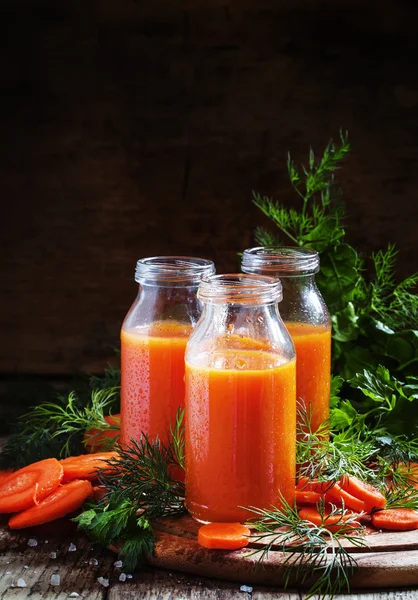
(57, 562)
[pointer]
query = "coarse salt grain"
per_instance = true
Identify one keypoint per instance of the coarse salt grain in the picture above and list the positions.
(72, 548)
(52, 555)
(129, 576)
(93, 562)
(55, 579)
(122, 577)
(32, 542)
(21, 582)
(73, 595)
(118, 564)
(104, 582)
(246, 588)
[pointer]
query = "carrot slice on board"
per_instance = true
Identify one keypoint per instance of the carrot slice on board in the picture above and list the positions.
(29, 485)
(306, 497)
(97, 440)
(370, 495)
(223, 536)
(86, 466)
(310, 513)
(65, 499)
(396, 519)
(336, 495)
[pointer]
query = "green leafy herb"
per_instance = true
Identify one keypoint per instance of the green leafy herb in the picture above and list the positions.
(310, 550)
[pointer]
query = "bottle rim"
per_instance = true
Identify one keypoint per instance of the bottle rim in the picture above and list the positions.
(167, 269)
(239, 288)
(282, 261)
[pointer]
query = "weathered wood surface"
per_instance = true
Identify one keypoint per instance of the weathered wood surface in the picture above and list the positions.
(133, 128)
(78, 576)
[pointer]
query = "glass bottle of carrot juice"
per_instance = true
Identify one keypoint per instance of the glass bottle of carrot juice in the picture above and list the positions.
(153, 341)
(240, 401)
(306, 317)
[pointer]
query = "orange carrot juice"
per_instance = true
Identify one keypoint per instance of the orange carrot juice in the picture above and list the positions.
(313, 368)
(152, 378)
(240, 435)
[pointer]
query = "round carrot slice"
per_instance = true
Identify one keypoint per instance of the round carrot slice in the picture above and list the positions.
(395, 519)
(29, 485)
(336, 495)
(370, 495)
(86, 465)
(65, 499)
(331, 522)
(307, 497)
(223, 536)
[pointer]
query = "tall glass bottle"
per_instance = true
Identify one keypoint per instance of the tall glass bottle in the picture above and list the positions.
(240, 400)
(306, 317)
(153, 341)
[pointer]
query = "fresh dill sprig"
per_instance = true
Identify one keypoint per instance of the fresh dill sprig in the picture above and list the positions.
(311, 551)
(111, 524)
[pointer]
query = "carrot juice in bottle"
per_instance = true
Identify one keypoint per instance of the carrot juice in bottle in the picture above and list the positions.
(240, 401)
(153, 341)
(306, 317)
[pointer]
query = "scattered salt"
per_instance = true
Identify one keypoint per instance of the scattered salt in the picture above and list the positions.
(12, 585)
(73, 595)
(21, 582)
(46, 542)
(72, 548)
(129, 576)
(8, 572)
(122, 577)
(93, 562)
(55, 579)
(246, 588)
(32, 542)
(118, 564)
(52, 555)
(104, 582)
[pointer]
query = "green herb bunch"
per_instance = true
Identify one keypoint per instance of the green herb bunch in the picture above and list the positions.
(374, 318)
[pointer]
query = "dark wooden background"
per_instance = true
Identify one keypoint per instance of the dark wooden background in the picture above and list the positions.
(135, 128)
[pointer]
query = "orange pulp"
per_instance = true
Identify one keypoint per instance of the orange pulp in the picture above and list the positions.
(313, 368)
(240, 435)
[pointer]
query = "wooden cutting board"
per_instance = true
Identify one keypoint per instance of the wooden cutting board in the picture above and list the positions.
(388, 560)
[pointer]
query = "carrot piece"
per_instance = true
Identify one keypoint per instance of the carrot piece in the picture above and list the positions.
(223, 536)
(29, 485)
(65, 499)
(336, 495)
(312, 485)
(4, 474)
(396, 519)
(97, 440)
(370, 495)
(310, 513)
(86, 466)
(306, 497)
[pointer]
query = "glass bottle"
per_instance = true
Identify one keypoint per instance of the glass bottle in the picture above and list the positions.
(306, 317)
(240, 400)
(153, 341)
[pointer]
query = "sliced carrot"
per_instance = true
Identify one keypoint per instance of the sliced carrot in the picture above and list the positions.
(29, 485)
(306, 497)
(223, 536)
(65, 499)
(310, 513)
(370, 495)
(86, 466)
(411, 471)
(97, 440)
(395, 519)
(337, 495)
(4, 474)
(312, 485)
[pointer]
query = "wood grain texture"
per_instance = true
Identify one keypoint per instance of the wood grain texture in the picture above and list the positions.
(138, 128)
